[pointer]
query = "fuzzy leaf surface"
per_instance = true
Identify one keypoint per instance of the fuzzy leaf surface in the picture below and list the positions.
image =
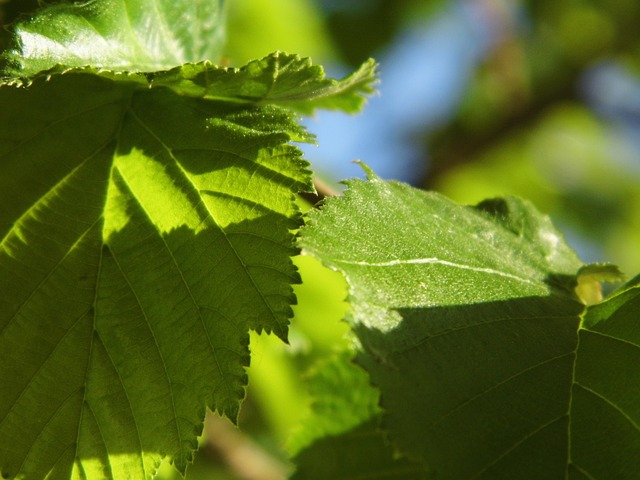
(120, 35)
(471, 329)
(143, 234)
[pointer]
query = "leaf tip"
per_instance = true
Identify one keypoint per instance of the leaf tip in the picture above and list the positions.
(370, 174)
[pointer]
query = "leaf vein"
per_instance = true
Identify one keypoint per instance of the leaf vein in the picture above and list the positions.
(582, 471)
(452, 330)
(610, 404)
(53, 125)
(165, 28)
(155, 341)
(436, 261)
(173, 259)
(33, 443)
(495, 386)
(611, 337)
(49, 274)
(102, 439)
(513, 447)
(42, 365)
(210, 215)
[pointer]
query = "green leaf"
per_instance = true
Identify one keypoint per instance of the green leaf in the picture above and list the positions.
(340, 438)
(153, 36)
(605, 405)
(280, 79)
(342, 397)
(142, 234)
(469, 324)
(122, 35)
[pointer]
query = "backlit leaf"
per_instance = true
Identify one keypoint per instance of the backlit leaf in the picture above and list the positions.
(121, 35)
(280, 79)
(143, 233)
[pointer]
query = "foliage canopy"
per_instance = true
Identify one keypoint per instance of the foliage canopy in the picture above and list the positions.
(148, 218)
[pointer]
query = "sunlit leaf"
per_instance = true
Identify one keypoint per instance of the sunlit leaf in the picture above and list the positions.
(124, 35)
(470, 328)
(280, 79)
(143, 233)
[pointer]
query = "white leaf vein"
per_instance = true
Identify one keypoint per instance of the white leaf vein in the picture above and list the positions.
(436, 261)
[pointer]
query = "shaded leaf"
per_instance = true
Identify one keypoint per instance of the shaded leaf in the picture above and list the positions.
(605, 406)
(341, 438)
(469, 326)
(342, 397)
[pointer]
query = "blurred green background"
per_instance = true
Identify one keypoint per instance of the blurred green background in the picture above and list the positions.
(478, 98)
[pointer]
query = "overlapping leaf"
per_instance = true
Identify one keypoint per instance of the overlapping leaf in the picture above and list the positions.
(341, 436)
(279, 79)
(469, 325)
(143, 232)
(605, 404)
(120, 35)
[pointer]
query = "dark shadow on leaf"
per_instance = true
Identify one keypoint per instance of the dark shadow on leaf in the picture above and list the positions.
(207, 135)
(478, 390)
(164, 334)
(166, 337)
(361, 452)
